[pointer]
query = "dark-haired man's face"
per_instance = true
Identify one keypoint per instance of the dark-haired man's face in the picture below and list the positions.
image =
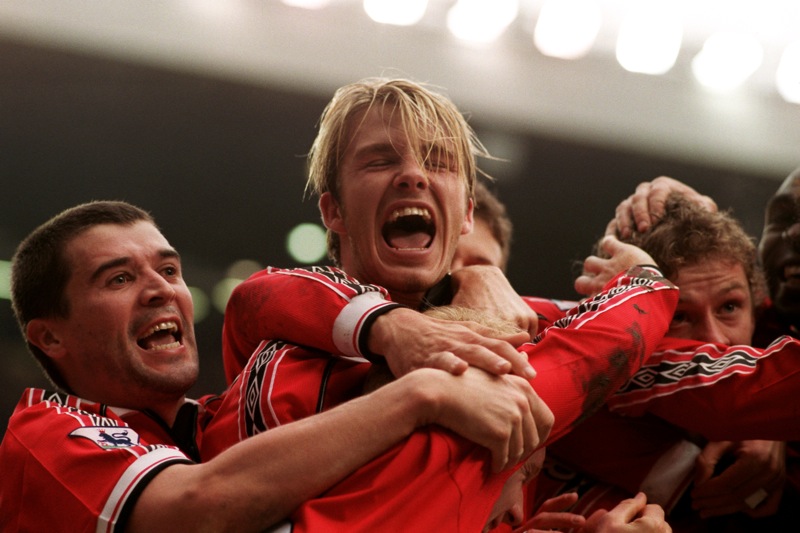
(779, 249)
(129, 338)
(715, 304)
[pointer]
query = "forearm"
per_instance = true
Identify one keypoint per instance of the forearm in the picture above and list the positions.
(588, 355)
(262, 479)
(319, 308)
(733, 393)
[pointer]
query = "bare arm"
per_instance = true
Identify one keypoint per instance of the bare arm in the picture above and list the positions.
(262, 479)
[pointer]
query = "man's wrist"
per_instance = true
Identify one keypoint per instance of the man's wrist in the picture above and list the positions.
(373, 355)
(425, 394)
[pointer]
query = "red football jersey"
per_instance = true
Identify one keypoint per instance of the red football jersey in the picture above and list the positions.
(720, 392)
(321, 307)
(73, 465)
(587, 354)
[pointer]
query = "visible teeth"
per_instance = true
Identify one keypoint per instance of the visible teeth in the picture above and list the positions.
(170, 326)
(170, 346)
(410, 211)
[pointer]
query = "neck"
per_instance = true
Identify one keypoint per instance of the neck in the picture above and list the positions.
(412, 300)
(167, 411)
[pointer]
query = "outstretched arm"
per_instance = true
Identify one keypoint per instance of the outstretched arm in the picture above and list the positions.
(259, 481)
(323, 308)
(727, 389)
(586, 356)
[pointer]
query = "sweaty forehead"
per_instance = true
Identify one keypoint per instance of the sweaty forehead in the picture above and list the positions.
(107, 242)
(390, 121)
(711, 277)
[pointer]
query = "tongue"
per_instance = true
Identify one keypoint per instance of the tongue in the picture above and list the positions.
(159, 338)
(401, 240)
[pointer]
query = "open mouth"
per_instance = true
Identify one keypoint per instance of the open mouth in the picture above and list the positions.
(409, 228)
(162, 336)
(791, 273)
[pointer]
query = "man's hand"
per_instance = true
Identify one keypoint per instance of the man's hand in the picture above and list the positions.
(597, 271)
(409, 340)
(553, 514)
(486, 288)
(502, 413)
(646, 205)
(633, 515)
(753, 484)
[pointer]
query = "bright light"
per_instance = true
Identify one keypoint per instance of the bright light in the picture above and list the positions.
(307, 4)
(727, 60)
(202, 306)
(788, 76)
(567, 29)
(306, 243)
(222, 292)
(5, 280)
(649, 38)
(243, 268)
(214, 9)
(481, 21)
(396, 12)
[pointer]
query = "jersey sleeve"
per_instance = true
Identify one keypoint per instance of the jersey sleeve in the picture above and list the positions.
(598, 345)
(319, 307)
(720, 392)
(548, 310)
(66, 469)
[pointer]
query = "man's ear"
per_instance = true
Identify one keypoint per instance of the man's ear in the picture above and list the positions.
(331, 213)
(469, 220)
(41, 333)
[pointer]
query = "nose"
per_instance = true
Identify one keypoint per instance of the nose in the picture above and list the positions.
(513, 516)
(710, 330)
(157, 290)
(412, 175)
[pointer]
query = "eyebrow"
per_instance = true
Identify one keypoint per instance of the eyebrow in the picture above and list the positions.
(375, 148)
(164, 253)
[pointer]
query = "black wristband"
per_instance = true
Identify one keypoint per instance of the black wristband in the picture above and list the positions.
(365, 329)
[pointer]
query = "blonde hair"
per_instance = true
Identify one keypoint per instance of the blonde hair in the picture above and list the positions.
(455, 313)
(429, 119)
(379, 373)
